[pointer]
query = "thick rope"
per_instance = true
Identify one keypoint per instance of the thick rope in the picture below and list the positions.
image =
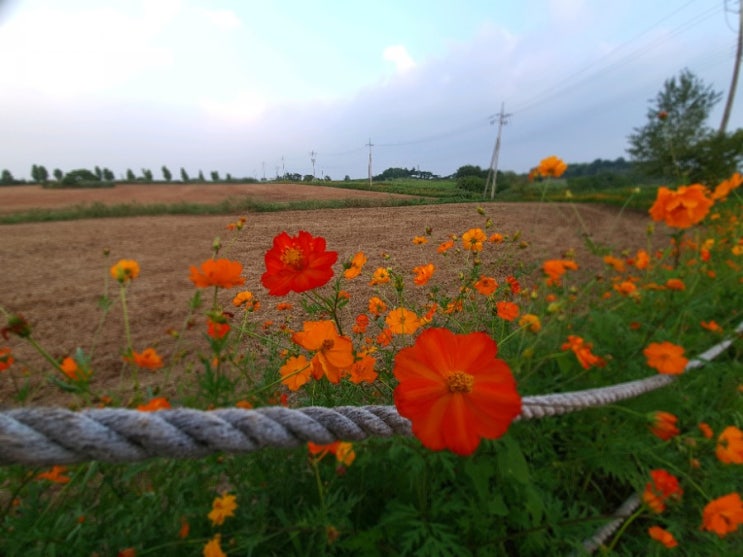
(624, 511)
(46, 436)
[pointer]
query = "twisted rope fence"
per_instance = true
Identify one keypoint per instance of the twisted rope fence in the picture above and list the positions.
(47, 436)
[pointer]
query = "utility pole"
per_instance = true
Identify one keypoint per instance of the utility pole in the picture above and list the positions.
(313, 159)
(370, 145)
(283, 166)
(502, 119)
(736, 68)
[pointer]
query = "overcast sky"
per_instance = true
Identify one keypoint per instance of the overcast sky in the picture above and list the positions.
(252, 87)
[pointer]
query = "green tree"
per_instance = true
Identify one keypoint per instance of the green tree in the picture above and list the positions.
(184, 175)
(130, 177)
(108, 175)
(98, 172)
(167, 176)
(201, 177)
(215, 176)
(6, 178)
(470, 170)
(665, 146)
(78, 177)
(58, 174)
(147, 175)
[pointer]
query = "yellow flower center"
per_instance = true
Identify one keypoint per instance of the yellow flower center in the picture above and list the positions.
(293, 257)
(460, 382)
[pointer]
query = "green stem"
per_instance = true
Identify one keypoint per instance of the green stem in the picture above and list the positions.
(45, 354)
(125, 313)
(626, 524)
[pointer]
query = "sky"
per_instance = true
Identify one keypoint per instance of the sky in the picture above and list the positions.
(260, 88)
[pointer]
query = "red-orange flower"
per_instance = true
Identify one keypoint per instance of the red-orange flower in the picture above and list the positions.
(663, 536)
(445, 246)
(552, 167)
(723, 515)
(666, 357)
(333, 352)
(147, 359)
(662, 487)
(724, 188)
(681, 208)
(343, 451)
(706, 430)
(663, 425)
(582, 351)
(402, 321)
(729, 448)
(125, 270)
(675, 284)
(221, 273)
(157, 403)
(486, 285)
(380, 276)
(297, 264)
(362, 371)
(71, 369)
(246, 300)
(217, 329)
(377, 306)
(6, 359)
(711, 326)
(423, 274)
(454, 390)
(507, 310)
(362, 323)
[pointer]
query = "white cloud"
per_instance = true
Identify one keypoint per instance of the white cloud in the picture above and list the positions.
(245, 106)
(224, 19)
(399, 56)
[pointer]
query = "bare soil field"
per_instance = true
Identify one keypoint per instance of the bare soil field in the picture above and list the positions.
(53, 273)
(21, 198)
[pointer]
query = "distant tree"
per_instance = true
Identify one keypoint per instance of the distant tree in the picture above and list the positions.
(228, 177)
(58, 174)
(184, 175)
(78, 177)
(471, 183)
(308, 178)
(108, 175)
(130, 177)
(43, 174)
(147, 175)
(98, 172)
(201, 177)
(328, 179)
(215, 176)
(167, 176)
(293, 177)
(346, 178)
(6, 178)
(666, 144)
(35, 175)
(471, 170)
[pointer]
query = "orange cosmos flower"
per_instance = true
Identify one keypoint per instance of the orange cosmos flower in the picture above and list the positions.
(362, 323)
(454, 390)
(531, 322)
(711, 326)
(402, 321)
(147, 359)
(246, 300)
(423, 274)
(663, 536)
(376, 306)
(507, 310)
(723, 515)
(582, 351)
(157, 403)
(295, 372)
(641, 260)
(552, 167)
(675, 284)
(614, 262)
(662, 487)
(445, 246)
(297, 263)
(362, 371)
(729, 448)
(354, 267)
(706, 430)
(664, 425)
(495, 238)
(380, 276)
(221, 273)
(333, 353)
(6, 359)
(626, 288)
(419, 240)
(222, 507)
(56, 475)
(681, 208)
(513, 284)
(213, 547)
(555, 268)
(71, 369)
(125, 270)
(384, 338)
(666, 357)
(343, 451)
(473, 239)
(724, 188)
(486, 285)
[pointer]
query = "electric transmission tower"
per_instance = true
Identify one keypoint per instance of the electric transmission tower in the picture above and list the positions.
(502, 119)
(736, 68)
